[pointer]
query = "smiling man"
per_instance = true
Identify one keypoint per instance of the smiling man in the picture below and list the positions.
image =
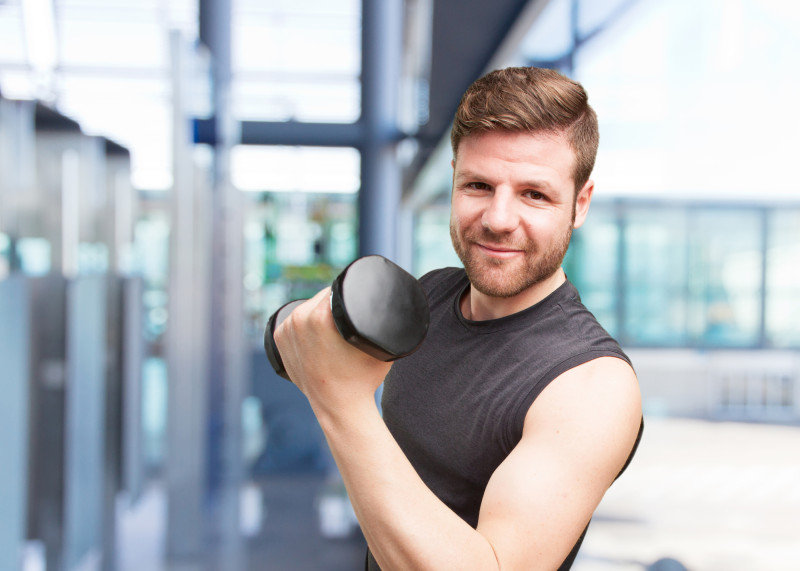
(513, 211)
(501, 434)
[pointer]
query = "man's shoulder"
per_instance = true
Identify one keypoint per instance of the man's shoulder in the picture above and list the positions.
(582, 328)
(596, 395)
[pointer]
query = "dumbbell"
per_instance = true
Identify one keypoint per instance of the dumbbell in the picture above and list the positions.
(377, 307)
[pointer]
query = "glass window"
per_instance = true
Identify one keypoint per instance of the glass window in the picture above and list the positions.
(655, 76)
(106, 29)
(12, 48)
(34, 256)
(551, 35)
(432, 245)
(151, 261)
(724, 278)
(783, 279)
(655, 266)
(592, 264)
(297, 61)
(283, 98)
(296, 169)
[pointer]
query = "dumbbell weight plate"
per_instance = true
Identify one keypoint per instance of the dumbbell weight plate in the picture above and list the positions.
(380, 308)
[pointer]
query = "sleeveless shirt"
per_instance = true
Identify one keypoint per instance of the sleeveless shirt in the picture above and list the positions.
(457, 405)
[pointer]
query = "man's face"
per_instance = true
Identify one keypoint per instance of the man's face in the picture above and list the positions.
(514, 208)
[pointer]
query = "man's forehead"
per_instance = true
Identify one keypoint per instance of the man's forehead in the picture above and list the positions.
(554, 136)
(556, 142)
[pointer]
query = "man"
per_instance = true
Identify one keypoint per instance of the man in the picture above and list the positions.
(501, 434)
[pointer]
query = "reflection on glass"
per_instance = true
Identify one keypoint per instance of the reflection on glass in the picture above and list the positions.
(655, 257)
(783, 279)
(592, 263)
(725, 269)
(432, 246)
(34, 256)
(152, 262)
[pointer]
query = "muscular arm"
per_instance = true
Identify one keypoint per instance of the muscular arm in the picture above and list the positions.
(576, 438)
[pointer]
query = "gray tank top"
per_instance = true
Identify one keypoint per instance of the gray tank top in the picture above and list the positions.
(457, 406)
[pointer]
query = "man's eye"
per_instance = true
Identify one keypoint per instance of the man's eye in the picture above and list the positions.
(478, 185)
(535, 195)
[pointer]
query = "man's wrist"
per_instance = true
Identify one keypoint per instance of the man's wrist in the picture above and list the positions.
(349, 411)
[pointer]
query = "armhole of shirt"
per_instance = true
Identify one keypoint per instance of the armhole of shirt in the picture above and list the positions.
(513, 432)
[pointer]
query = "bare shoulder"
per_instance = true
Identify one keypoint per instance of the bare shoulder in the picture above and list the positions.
(594, 409)
(578, 434)
(610, 379)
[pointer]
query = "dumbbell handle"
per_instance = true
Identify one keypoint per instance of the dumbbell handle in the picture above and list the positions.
(277, 318)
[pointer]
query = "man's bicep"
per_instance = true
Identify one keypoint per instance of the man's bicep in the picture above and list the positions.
(577, 436)
(535, 508)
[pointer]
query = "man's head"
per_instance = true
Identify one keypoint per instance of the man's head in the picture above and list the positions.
(529, 99)
(524, 145)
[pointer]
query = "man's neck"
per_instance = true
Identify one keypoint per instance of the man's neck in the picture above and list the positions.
(478, 306)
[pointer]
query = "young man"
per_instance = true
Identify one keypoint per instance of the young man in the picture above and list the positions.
(501, 434)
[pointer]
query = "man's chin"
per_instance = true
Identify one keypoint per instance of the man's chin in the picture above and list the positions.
(494, 281)
(505, 280)
(499, 291)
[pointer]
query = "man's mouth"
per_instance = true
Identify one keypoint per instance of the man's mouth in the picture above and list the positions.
(498, 251)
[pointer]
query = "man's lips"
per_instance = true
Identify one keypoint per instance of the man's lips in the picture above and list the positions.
(498, 251)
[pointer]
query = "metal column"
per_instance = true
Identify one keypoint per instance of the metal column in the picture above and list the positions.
(226, 305)
(381, 69)
(186, 418)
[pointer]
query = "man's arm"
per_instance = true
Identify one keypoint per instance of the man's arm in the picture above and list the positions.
(576, 439)
(578, 435)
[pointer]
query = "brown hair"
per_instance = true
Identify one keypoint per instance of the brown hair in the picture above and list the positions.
(531, 99)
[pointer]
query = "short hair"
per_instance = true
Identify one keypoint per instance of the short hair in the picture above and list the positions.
(531, 99)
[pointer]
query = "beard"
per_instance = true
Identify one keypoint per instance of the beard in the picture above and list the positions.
(508, 278)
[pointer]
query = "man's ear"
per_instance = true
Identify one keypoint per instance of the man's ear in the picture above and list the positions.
(582, 202)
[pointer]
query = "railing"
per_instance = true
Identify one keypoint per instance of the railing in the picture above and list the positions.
(759, 395)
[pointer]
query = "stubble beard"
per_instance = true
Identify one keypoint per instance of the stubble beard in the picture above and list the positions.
(507, 278)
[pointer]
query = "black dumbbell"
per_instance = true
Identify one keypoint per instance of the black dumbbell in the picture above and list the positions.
(377, 307)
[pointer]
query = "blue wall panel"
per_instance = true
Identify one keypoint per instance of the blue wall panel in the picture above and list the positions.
(14, 379)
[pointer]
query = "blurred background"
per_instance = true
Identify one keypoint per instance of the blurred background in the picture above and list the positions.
(171, 172)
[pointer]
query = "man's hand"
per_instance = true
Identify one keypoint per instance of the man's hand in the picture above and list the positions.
(332, 374)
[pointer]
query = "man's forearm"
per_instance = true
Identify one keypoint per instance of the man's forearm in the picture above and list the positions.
(405, 524)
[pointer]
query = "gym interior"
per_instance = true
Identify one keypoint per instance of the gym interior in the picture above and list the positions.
(171, 173)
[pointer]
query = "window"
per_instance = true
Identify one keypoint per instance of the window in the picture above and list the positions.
(655, 275)
(783, 279)
(724, 277)
(592, 264)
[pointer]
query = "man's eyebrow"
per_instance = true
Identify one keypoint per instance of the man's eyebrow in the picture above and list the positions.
(538, 184)
(528, 183)
(462, 174)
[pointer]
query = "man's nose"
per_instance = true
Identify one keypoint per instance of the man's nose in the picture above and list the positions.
(500, 215)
